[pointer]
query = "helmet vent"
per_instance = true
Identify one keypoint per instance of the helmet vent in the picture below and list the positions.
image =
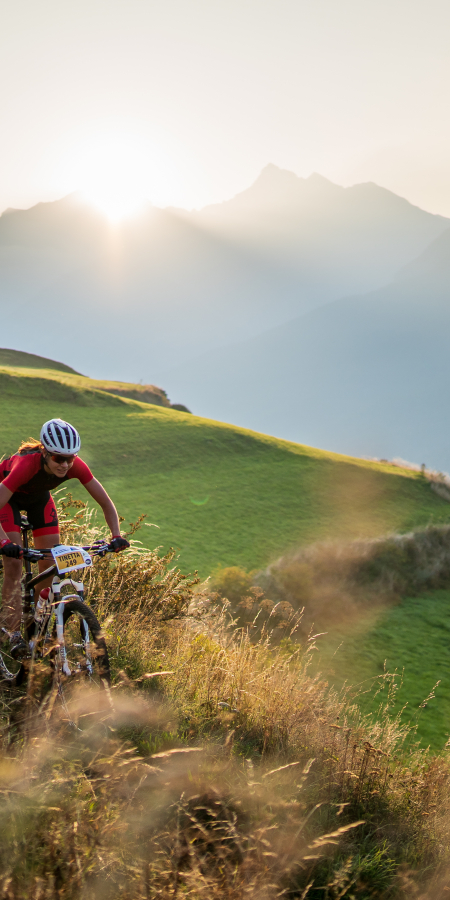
(60, 437)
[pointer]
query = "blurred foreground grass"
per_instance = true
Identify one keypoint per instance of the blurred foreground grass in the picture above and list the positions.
(224, 768)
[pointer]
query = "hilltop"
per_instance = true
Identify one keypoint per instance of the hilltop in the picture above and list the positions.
(147, 393)
(219, 494)
(20, 359)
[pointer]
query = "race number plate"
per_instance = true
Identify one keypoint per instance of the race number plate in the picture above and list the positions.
(69, 558)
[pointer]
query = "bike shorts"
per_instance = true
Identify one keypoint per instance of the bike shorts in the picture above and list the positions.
(39, 508)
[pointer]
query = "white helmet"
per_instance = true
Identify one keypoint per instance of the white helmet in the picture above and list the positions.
(58, 436)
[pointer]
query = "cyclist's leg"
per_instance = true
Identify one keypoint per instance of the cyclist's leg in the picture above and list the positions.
(43, 518)
(11, 612)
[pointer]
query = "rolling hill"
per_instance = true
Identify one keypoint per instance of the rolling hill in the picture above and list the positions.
(218, 493)
(223, 495)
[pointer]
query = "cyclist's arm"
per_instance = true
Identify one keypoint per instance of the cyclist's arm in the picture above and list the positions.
(98, 493)
(5, 494)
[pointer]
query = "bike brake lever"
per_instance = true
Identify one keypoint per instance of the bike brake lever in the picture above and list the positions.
(33, 554)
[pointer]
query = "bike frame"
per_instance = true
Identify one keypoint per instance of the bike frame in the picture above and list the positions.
(31, 581)
(37, 619)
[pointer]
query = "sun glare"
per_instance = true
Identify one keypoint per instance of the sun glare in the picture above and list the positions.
(114, 176)
(118, 173)
(115, 201)
(120, 166)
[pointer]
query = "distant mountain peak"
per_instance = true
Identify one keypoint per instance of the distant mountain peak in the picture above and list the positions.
(271, 171)
(273, 176)
(274, 188)
(281, 191)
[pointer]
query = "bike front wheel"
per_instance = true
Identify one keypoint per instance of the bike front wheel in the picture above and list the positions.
(82, 673)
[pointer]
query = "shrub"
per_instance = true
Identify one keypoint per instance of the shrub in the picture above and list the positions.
(331, 581)
(232, 583)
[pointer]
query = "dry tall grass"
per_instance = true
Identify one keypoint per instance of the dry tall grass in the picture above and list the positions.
(333, 582)
(223, 769)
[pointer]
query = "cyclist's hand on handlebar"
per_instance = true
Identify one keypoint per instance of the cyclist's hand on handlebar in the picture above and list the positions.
(118, 543)
(102, 550)
(8, 548)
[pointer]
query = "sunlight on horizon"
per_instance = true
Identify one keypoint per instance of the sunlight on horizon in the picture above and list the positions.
(119, 174)
(115, 203)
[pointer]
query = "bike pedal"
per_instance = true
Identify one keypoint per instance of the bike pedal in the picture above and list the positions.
(18, 648)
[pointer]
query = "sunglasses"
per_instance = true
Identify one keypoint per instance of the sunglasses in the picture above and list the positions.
(62, 459)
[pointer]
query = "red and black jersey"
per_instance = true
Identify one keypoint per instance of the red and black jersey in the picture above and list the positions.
(26, 474)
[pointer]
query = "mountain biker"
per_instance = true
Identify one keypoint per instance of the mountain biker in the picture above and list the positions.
(26, 479)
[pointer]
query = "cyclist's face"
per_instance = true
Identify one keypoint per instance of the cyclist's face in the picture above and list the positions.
(56, 467)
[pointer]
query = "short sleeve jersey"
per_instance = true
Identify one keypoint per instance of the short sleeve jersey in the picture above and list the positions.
(26, 474)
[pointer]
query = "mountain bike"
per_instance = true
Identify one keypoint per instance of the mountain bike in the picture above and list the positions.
(64, 644)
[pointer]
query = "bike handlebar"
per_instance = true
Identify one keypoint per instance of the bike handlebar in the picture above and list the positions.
(35, 555)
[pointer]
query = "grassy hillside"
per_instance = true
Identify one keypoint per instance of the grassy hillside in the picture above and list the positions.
(218, 494)
(226, 495)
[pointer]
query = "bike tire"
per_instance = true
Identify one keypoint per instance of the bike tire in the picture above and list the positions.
(81, 660)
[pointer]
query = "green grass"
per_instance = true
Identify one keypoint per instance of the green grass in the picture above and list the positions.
(412, 639)
(218, 494)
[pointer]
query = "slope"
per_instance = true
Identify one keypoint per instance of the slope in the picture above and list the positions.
(366, 375)
(217, 493)
(162, 288)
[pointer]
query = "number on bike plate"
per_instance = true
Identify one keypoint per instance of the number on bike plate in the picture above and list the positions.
(69, 558)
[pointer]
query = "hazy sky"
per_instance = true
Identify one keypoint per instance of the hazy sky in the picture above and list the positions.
(185, 101)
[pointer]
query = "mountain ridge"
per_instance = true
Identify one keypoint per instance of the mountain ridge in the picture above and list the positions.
(176, 299)
(169, 285)
(276, 179)
(365, 374)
